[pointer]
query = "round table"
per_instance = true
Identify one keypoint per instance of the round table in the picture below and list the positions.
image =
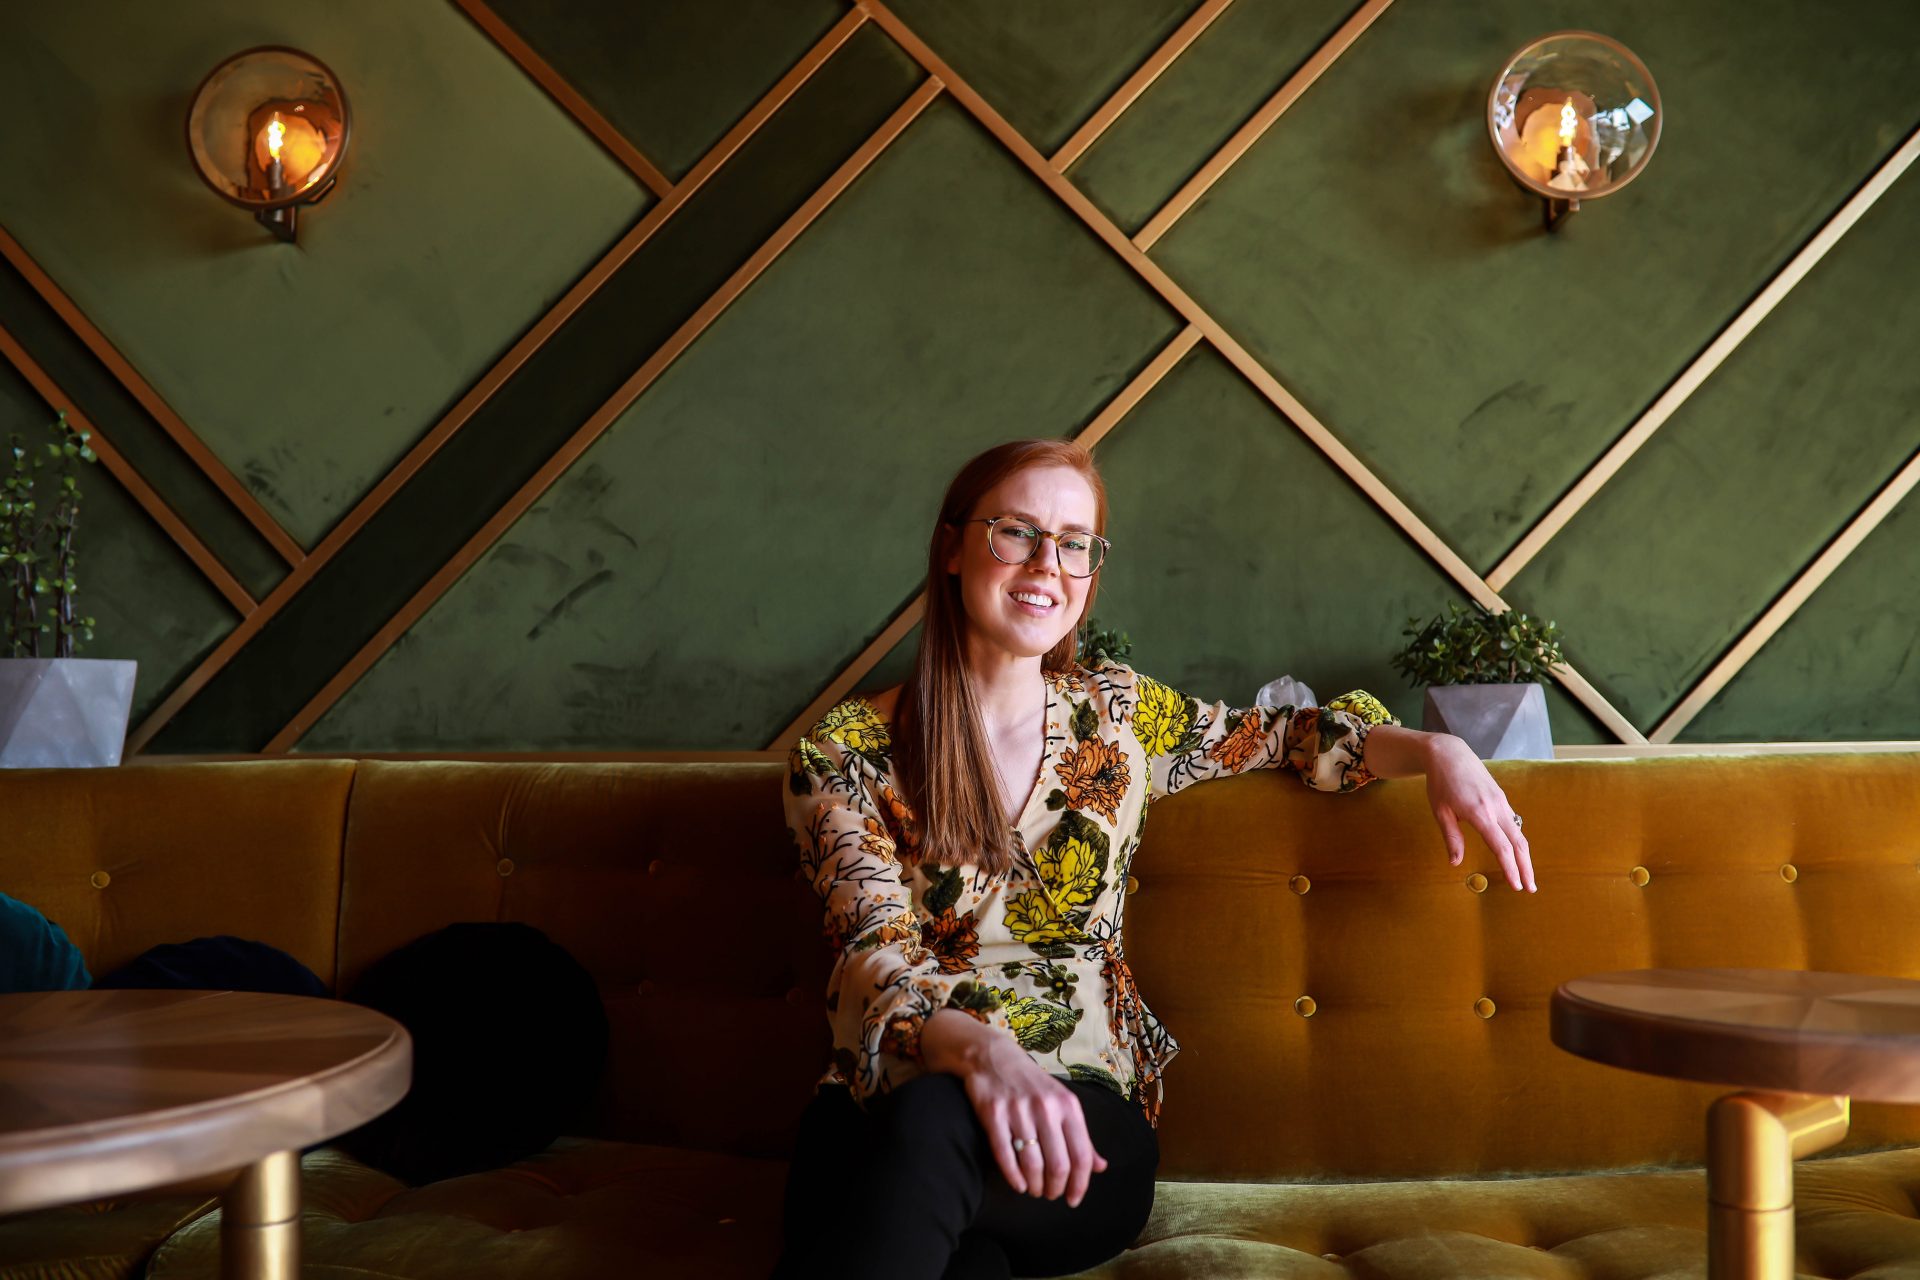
(1801, 1045)
(105, 1092)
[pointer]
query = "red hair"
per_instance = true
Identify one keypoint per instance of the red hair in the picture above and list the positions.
(941, 758)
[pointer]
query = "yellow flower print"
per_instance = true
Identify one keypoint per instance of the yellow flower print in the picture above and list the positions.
(1365, 705)
(1031, 918)
(1161, 717)
(1071, 864)
(856, 726)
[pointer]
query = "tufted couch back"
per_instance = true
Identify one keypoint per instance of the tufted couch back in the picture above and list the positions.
(1425, 1051)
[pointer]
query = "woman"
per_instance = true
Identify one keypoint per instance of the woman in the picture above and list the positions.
(995, 1084)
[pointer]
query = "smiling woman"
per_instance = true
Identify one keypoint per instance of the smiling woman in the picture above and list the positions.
(970, 834)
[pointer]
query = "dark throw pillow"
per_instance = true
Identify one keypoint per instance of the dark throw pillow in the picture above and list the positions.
(224, 963)
(509, 1040)
(35, 953)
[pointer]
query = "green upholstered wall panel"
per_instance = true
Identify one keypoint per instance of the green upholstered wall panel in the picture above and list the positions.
(125, 423)
(672, 78)
(468, 202)
(1252, 557)
(747, 526)
(148, 600)
(1045, 65)
(1238, 62)
(563, 384)
(1847, 665)
(1743, 487)
(1373, 253)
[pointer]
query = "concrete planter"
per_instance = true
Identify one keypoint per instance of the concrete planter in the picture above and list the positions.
(63, 712)
(1499, 721)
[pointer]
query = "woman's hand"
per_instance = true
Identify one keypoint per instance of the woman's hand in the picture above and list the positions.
(1014, 1097)
(1459, 788)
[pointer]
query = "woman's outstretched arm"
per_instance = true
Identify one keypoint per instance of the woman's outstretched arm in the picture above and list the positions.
(1459, 791)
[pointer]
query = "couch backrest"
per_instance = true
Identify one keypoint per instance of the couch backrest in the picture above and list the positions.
(125, 859)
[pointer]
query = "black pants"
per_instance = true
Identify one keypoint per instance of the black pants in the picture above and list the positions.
(909, 1188)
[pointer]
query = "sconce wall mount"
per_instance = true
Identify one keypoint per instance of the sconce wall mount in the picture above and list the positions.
(1573, 116)
(267, 131)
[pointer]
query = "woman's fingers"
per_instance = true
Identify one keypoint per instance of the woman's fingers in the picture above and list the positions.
(1450, 829)
(999, 1127)
(1522, 851)
(1086, 1161)
(1053, 1141)
(1494, 831)
(1026, 1125)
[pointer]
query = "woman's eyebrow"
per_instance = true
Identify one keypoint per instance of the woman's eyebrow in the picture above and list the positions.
(1065, 528)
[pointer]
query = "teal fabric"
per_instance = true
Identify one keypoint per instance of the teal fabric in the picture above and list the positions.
(35, 954)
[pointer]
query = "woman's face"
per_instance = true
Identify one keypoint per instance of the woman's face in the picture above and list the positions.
(998, 617)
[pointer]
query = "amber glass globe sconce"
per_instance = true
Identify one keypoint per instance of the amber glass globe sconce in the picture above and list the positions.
(267, 130)
(1574, 116)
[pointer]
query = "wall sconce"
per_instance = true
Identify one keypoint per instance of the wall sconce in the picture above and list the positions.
(267, 130)
(1574, 116)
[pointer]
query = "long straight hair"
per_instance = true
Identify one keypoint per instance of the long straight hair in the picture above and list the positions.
(941, 757)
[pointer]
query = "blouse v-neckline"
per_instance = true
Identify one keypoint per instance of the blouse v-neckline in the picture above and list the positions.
(1046, 755)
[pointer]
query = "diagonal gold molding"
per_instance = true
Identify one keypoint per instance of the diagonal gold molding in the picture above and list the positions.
(1229, 347)
(736, 284)
(457, 417)
(570, 99)
(1843, 545)
(118, 365)
(1138, 83)
(130, 479)
(1705, 363)
(909, 617)
(1249, 133)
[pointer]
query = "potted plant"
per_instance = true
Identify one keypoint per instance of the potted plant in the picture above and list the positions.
(1483, 674)
(55, 709)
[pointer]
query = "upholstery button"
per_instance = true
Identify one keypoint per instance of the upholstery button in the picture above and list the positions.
(646, 987)
(796, 997)
(1300, 884)
(504, 866)
(1484, 1007)
(653, 868)
(1477, 882)
(1640, 876)
(1789, 873)
(99, 879)
(1305, 1006)
(1133, 885)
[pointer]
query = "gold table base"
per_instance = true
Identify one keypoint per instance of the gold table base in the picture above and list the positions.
(1752, 1141)
(260, 1221)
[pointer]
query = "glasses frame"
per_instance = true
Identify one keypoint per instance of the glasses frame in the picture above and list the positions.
(990, 521)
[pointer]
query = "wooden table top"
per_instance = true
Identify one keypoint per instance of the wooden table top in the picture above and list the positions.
(1787, 1029)
(104, 1092)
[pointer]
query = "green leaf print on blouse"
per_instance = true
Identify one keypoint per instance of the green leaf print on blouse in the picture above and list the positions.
(944, 888)
(1039, 1024)
(1086, 722)
(1094, 1075)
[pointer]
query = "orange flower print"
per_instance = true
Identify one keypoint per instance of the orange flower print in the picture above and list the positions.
(954, 940)
(901, 816)
(1234, 751)
(877, 842)
(1095, 775)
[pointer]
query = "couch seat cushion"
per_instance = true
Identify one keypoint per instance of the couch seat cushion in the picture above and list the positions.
(593, 1209)
(103, 1240)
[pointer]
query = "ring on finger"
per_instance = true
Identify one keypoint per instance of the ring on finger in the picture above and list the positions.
(1021, 1144)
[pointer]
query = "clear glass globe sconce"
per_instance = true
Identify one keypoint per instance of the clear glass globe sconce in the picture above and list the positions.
(267, 130)
(1573, 116)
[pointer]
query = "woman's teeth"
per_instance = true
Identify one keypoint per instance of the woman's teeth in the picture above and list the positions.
(1038, 602)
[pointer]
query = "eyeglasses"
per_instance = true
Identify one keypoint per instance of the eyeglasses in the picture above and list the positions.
(1016, 541)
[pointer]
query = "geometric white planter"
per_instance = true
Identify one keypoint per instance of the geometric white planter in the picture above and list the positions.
(64, 712)
(1499, 721)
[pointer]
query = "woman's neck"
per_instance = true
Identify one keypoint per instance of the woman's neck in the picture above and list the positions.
(1006, 688)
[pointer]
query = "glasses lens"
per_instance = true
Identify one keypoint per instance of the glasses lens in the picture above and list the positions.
(1013, 541)
(1079, 553)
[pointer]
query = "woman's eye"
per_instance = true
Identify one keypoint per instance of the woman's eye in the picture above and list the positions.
(1075, 544)
(1022, 532)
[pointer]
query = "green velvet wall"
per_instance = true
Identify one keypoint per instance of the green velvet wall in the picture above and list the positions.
(753, 520)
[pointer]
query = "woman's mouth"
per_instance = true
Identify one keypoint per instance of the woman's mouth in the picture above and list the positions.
(1034, 603)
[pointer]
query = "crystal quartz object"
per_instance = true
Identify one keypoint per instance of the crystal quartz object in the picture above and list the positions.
(63, 712)
(1285, 692)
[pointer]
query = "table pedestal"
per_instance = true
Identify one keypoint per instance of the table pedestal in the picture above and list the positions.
(1752, 1141)
(260, 1221)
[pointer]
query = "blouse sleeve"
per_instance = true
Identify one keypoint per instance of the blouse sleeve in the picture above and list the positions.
(885, 983)
(1189, 741)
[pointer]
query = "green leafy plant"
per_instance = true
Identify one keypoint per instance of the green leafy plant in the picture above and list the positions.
(37, 558)
(1477, 647)
(1102, 644)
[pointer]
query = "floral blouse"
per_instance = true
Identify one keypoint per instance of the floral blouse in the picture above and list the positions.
(1036, 950)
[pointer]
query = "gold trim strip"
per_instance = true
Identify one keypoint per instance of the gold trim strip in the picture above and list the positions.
(906, 620)
(1789, 602)
(1249, 133)
(143, 493)
(1104, 422)
(570, 99)
(1215, 333)
(350, 525)
(1705, 364)
(1137, 83)
(190, 444)
(630, 391)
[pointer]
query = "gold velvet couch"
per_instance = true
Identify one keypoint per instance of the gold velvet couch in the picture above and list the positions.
(1413, 1120)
